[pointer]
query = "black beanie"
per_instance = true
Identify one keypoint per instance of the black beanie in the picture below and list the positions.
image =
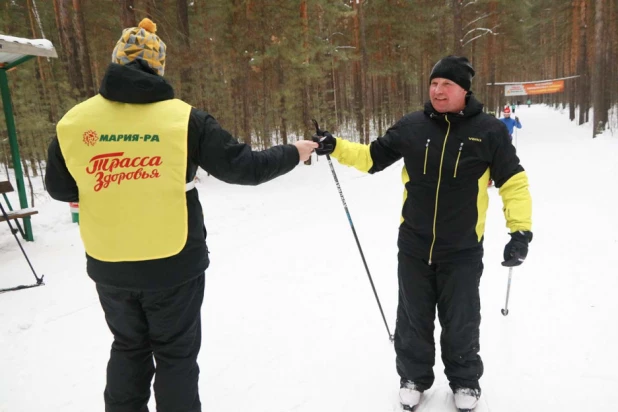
(455, 68)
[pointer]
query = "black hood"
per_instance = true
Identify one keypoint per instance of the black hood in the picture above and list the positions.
(134, 82)
(473, 107)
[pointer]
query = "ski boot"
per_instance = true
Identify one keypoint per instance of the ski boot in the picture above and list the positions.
(409, 396)
(466, 399)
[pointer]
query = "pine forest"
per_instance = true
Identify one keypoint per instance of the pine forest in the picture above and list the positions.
(265, 68)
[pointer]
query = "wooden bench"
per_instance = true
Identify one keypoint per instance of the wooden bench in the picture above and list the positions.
(19, 214)
(6, 187)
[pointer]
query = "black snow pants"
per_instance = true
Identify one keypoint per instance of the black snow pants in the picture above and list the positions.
(454, 288)
(164, 324)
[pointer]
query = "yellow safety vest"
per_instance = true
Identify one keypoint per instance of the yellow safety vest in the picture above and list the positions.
(130, 164)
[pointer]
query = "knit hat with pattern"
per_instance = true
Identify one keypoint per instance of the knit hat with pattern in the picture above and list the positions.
(141, 43)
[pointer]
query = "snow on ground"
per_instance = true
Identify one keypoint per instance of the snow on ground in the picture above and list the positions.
(289, 319)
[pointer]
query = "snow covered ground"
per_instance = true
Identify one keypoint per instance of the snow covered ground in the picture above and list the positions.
(289, 319)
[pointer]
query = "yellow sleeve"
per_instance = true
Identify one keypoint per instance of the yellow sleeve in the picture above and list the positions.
(517, 203)
(353, 154)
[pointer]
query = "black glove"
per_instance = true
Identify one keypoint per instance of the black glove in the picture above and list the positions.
(516, 250)
(326, 143)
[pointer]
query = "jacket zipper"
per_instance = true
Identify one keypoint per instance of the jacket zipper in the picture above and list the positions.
(435, 214)
(458, 156)
(426, 152)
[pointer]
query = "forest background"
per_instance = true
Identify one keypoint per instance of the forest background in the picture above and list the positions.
(264, 68)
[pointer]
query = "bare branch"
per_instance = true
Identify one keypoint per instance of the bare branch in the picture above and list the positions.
(469, 3)
(472, 39)
(475, 20)
(486, 32)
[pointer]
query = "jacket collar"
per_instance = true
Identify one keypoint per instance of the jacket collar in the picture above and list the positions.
(134, 82)
(473, 107)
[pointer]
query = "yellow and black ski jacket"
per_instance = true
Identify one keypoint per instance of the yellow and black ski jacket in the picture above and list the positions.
(448, 161)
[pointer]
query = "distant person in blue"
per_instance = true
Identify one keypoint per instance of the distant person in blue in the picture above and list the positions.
(510, 125)
(509, 122)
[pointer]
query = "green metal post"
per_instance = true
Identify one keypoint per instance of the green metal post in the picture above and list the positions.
(10, 128)
(17, 62)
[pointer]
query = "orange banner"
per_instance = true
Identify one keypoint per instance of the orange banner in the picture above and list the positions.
(523, 89)
(545, 87)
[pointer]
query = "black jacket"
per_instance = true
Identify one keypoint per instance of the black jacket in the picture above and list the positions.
(209, 147)
(448, 159)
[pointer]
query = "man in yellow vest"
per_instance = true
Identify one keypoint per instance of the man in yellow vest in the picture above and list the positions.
(449, 151)
(129, 155)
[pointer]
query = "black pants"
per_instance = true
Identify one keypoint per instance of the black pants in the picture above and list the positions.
(165, 324)
(454, 288)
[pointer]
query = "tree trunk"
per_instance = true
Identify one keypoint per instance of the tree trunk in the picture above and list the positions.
(304, 20)
(82, 49)
(306, 117)
(282, 103)
(574, 60)
(67, 41)
(246, 113)
(42, 85)
(492, 103)
(186, 85)
(582, 81)
(611, 74)
(149, 8)
(598, 89)
(305, 98)
(457, 25)
(127, 13)
(364, 75)
(358, 73)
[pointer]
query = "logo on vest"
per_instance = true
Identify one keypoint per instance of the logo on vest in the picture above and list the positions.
(90, 137)
(105, 167)
(129, 138)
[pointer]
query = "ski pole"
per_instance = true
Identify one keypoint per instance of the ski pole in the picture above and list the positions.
(505, 311)
(347, 212)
